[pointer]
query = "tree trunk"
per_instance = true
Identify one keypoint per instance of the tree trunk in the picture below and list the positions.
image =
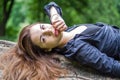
(7, 7)
(2, 29)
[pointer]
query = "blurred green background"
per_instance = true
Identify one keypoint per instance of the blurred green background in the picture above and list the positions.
(16, 14)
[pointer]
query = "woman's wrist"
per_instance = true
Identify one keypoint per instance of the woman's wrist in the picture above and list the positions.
(53, 11)
(54, 16)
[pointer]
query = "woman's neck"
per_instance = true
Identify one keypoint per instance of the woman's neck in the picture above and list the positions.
(66, 36)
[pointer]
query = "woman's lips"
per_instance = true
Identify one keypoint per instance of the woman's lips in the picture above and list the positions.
(56, 32)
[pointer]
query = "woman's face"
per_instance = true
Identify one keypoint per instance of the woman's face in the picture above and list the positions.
(45, 36)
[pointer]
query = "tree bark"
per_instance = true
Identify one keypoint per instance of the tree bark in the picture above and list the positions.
(7, 7)
(77, 71)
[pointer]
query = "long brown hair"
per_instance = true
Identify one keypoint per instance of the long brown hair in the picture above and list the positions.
(26, 61)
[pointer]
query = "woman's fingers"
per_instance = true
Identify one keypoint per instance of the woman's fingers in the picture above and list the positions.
(63, 28)
(59, 25)
(58, 22)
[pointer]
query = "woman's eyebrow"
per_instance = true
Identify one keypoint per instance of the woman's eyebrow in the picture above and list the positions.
(40, 26)
(40, 35)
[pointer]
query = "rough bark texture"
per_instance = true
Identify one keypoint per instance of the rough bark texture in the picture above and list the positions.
(77, 72)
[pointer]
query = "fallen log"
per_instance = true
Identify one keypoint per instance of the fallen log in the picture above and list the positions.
(76, 72)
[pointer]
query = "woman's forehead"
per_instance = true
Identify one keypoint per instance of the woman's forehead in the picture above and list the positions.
(35, 28)
(36, 25)
(35, 32)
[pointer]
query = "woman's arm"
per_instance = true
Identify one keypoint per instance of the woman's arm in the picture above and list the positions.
(56, 20)
(55, 14)
(87, 54)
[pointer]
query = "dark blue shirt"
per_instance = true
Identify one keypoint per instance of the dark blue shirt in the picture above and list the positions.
(97, 47)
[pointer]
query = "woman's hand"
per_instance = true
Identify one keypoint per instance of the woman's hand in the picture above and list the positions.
(57, 21)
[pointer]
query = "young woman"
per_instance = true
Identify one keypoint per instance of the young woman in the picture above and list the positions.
(96, 45)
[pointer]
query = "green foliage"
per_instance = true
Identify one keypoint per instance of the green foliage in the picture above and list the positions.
(102, 11)
(35, 12)
(26, 12)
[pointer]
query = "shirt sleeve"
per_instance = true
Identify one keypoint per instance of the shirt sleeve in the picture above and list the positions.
(90, 55)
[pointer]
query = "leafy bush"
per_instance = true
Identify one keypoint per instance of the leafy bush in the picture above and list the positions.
(74, 12)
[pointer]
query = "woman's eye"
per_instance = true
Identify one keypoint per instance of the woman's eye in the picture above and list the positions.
(43, 40)
(42, 27)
